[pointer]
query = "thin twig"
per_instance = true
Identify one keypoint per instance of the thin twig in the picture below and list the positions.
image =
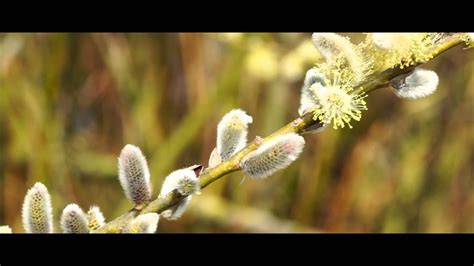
(298, 125)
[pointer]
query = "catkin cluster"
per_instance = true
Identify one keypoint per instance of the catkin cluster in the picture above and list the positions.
(332, 93)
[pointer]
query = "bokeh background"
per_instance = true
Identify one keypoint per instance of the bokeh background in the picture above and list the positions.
(70, 102)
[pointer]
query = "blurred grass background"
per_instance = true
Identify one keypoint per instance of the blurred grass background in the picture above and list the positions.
(70, 102)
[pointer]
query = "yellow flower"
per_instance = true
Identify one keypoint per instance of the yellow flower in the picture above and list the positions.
(337, 104)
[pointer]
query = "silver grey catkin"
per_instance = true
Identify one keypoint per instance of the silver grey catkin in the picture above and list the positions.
(273, 155)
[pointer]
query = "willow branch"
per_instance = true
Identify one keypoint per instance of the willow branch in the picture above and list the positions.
(299, 125)
(383, 79)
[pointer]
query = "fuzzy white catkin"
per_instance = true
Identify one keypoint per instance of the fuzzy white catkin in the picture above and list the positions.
(232, 133)
(175, 212)
(273, 155)
(95, 218)
(419, 84)
(134, 175)
(330, 44)
(37, 214)
(74, 220)
(186, 183)
(307, 101)
(143, 224)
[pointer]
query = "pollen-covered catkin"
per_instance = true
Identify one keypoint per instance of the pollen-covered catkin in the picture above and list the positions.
(37, 214)
(338, 105)
(404, 49)
(389, 40)
(134, 175)
(273, 155)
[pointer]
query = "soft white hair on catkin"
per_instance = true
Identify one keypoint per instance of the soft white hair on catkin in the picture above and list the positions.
(186, 182)
(273, 155)
(419, 84)
(134, 175)
(232, 133)
(74, 220)
(37, 213)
